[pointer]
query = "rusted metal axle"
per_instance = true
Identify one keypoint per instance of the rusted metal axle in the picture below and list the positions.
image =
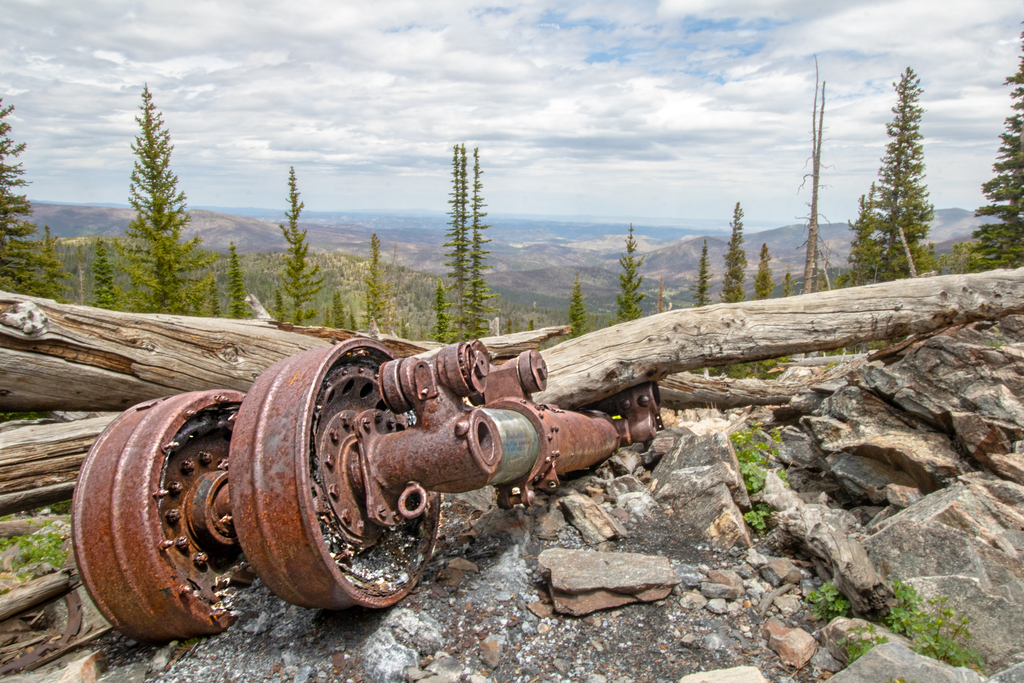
(336, 458)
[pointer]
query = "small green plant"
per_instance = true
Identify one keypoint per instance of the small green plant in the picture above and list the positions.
(861, 640)
(828, 603)
(943, 636)
(42, 546)
(939, 632)
(759, 517)
(752, 452)
(906, 616)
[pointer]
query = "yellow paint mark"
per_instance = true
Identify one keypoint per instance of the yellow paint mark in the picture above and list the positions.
(294, 377)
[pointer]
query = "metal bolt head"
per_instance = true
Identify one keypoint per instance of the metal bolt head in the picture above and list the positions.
(333, 491)
(173, 516)
(461, 428)
(205, 458)
(174, 487)
(643, 401)
(333, 434)
(188, 466)
(181, 542)
(200, 559)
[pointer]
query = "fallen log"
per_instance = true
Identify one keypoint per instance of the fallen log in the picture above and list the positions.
(23, 527)
(599, 364)
(30, 594)
(35, 498)
(685, 390)
(42, 455)
(816, 529)
(64, 357)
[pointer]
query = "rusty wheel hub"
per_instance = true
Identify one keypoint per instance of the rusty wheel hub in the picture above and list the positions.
(297, 493)
(153, 535)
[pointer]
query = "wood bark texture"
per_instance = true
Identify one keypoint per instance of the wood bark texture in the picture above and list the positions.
(601, 363)
(852, 570)
(65, 357)
(35, 498)
(28, 595)
(43, 455)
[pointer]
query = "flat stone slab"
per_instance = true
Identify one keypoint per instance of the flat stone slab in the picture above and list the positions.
(579, 571)
(892, 660)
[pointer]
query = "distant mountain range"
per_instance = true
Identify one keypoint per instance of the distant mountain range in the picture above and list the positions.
(534, 260)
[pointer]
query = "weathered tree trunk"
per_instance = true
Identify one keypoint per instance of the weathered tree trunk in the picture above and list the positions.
(63, 357)
(43, 455)
(35, 498)
(32, 593)
(601, 363)
(852, 570)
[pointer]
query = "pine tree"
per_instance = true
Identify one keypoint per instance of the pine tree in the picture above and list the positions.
(442, 321)
(866, 245)
(377, 293)
(1001, 244)
(459, 241)
(279, 311)
(213, 298)
(49, 282)
(735, 261)
(299, 279)
(105, 293)
(629, 282)
(237, 308)
(352, 320)
(478, 293)
(899, 215)
(337, 311)
(158, 263)
(788, 285)
(19, 254)
(577, 309)
(701, 287)
(763, 283)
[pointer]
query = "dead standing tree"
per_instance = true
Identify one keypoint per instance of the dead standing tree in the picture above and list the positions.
(817, 128)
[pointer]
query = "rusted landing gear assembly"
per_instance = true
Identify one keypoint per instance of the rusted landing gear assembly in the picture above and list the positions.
(337, 458)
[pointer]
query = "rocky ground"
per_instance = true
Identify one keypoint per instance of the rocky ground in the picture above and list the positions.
(646, 570)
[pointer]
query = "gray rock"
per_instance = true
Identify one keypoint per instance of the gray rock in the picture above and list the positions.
(693, 452)
(893, 660)
(639, 504)
(627, 484)
(856, 427)
(447, 669)
(590, 519)
(304, 674)
(692, 600)
(1015, 674)
(163, 657)
(959, 543)
(689, 575)
(717, 606)
(716, 641)
(385, 660)
(779, 571)
(418, 630)
(583, 582)
(705, 507)
(823, 661)
(133, 673)
(596, 678)
(797, 447)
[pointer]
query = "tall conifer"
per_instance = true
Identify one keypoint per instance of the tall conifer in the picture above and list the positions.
(890, 232)
(377, 290)
(1001, 244)
(701, 288)
(299, 279)
(578, 317)
(478, 293)
(735, 261)
(237, 308)
(158, 263)
(337, 311)
(787, 283)
(442, 321)
(459, 241)
(763, 283)
(104, 292)
(629, 282)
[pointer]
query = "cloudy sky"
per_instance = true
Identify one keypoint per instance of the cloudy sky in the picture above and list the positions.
(674, 109)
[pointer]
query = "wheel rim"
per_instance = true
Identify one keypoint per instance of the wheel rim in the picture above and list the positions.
(148, 517)
(305, 536)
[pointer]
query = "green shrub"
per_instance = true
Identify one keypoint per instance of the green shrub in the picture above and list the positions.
(861, 640)
(938, 632)
(752, 452)
(41, 546)
(759, 517)
(828, 603)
